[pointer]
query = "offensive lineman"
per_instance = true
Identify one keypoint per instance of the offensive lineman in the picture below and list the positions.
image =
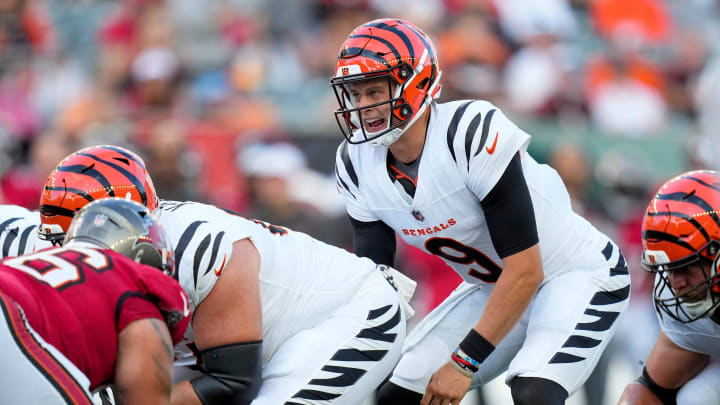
(542, 287)
(77, 318)
(681, 244)
(278, 317)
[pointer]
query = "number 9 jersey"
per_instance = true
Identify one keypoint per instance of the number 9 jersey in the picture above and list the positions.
(468, 146)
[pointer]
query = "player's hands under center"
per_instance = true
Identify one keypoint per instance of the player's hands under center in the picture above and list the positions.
(447, 386)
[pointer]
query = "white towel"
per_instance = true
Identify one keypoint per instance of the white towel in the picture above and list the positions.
(404, 285)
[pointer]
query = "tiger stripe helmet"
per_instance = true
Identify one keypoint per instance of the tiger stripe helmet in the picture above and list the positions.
(681, 227)
(398, 51)
(87, 175)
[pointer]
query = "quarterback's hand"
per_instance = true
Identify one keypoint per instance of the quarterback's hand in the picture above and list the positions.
(447, 386)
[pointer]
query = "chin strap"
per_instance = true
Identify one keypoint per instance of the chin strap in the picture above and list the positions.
(392, 136)
(387, 139)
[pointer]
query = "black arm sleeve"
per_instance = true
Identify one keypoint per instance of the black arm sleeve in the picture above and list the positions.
(374, 240)
(509, 212)
(667, 396)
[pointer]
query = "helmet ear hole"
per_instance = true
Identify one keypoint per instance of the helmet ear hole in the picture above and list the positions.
(405, 111)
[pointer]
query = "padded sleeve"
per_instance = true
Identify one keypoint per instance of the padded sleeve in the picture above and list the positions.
(509, 212)
(374, 240)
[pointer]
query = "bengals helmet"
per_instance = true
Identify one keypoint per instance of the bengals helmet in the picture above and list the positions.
(87, 175)
(681, 228)
(125, 227)
(400, 53)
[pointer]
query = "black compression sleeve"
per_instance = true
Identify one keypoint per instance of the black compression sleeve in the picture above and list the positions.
(374, 240)
(509, 212)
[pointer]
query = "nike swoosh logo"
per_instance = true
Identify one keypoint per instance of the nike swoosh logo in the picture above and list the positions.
(222, 266)
(491, 149)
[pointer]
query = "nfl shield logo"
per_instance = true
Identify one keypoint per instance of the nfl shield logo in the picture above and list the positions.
(100, 220)
(418, 215)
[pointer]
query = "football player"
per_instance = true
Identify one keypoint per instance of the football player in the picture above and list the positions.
(542, 289)
(86, 315)
(681, 245)
(279, 317)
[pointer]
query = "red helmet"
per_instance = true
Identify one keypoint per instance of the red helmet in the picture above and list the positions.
(682, 228)
(87, 175)
(400, 53)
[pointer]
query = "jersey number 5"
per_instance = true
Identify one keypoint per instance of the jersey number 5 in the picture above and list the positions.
(456, 252)
(60, 268)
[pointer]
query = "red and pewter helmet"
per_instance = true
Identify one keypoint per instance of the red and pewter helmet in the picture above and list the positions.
(126, 227)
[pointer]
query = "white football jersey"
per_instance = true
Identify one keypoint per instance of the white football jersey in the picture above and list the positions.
(18, 231)
(469, 145)
(302, 280)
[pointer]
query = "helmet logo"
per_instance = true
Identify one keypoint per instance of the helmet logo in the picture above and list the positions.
(100, 220)
(652, 259)
(348, 70)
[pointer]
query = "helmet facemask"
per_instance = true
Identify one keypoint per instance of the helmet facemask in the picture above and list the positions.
(696, 301)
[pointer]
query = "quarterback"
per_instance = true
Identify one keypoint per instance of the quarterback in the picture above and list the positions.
(542, 290)
(278, 317)
(681, 245)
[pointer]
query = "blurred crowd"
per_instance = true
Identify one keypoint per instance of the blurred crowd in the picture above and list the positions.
(228, 100)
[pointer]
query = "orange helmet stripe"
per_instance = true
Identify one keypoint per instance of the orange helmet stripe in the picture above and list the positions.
(356, 51)
(694, 199)
(686, 217)
(659, 236)
(383, 41)
(103, 179)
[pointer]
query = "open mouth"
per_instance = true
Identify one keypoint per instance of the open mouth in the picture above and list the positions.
(374, 125)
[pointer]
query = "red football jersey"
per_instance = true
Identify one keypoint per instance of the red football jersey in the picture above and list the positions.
(79, 299)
